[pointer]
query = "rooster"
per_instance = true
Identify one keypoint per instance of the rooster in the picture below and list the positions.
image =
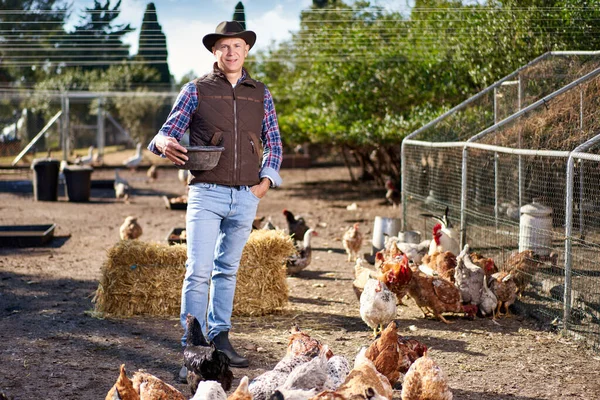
(396, 275)
(377, 305)
(393, 194)
(445, 237)
(296, 226)
(352, 241)
(202, 360)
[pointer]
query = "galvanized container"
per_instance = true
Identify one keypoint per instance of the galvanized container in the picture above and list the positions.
(535, 228)
(384, 226)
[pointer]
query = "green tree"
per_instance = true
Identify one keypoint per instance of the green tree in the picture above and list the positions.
(153, 44)
(96, 43)
(239, 14)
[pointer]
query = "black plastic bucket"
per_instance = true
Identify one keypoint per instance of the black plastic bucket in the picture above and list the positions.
(45, 179)
(79, 182)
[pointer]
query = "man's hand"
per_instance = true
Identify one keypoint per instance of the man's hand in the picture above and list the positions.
(261, 189)
(171, 149)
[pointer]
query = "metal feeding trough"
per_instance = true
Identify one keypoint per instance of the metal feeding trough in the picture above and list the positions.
(174, 203)
(26, 235)
(174, 237)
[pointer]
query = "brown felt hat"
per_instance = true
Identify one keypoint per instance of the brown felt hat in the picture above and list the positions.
(228, 29)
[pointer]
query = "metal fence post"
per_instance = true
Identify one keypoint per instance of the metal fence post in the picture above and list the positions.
(403, 184)
(463, 200)
(100, 133)
(568, 243)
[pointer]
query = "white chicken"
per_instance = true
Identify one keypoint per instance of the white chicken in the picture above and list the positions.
(209, 390)
(135, 160)
(121, 186)
(489, 301)
(415, 252)
(86, 160)
(377, 305)
(445, 237)
(468, 278)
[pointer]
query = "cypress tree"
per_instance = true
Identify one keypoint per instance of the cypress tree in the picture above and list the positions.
(239, 14)
(153, 44)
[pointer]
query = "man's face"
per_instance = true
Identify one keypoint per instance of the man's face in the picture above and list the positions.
(231, 54)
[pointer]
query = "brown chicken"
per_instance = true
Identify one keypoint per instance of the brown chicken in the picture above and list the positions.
(486, 264)
(425, 380)
(301, 344)
(152, 388)
(242, 392)
(363, 382)
(396, 275)
(522, 266)
(385, 353)
(352, 241)
(410, 350)
(442, 263)
(130, 229)
(435, 296)
(123, 388)
(504, 287)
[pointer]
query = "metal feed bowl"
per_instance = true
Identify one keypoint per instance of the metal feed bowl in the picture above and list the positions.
(202, 158)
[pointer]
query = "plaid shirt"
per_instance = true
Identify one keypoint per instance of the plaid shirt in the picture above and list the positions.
(178, 122)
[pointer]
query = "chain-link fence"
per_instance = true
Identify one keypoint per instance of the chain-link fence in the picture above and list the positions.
(530, 139)
(70, 125)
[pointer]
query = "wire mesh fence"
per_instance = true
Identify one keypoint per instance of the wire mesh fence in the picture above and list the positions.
(529, 142)
(68, 125)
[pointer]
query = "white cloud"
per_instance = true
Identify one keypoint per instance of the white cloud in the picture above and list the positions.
(273, 25)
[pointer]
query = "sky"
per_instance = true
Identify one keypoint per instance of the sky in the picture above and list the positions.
(185, 22)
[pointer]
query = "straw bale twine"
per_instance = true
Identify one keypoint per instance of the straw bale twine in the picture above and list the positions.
(140, 278)
(261, 281)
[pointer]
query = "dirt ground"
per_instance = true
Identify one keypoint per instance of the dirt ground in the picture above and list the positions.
(52, 348)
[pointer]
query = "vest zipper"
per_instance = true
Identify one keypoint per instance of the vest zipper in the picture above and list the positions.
(235, 138)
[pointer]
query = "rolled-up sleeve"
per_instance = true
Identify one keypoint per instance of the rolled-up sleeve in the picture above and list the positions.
(271, 139)
(179, 118)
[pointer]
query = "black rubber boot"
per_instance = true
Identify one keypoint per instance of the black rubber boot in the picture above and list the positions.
(222, 343)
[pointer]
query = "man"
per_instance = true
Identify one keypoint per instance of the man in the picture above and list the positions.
(223, 108)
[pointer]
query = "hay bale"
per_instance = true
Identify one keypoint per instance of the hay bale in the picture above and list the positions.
(261, 281)
(140, 278)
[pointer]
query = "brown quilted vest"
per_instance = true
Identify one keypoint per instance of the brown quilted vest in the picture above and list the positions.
(232, 118)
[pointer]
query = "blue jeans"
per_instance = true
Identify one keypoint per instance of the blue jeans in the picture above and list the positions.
(218, 224)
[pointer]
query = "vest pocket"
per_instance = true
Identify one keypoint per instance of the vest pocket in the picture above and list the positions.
(256, 146)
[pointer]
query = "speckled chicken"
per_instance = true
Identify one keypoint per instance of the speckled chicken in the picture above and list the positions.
(263, 385)
(202, 360)
(123, 388)
(310, 376)
(152, 388)
(377, 305)
(352, 242)
(505, 289)
(468, 278)
(425, 380)
(385, 353)
(130, 229)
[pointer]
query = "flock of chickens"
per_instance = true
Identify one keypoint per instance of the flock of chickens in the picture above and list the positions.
(309, 370)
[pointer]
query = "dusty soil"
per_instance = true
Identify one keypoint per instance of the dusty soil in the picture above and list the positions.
(52, 348)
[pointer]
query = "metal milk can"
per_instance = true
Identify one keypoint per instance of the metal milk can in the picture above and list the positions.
(535, 228)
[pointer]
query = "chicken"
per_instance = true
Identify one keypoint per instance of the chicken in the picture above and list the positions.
(312, 375)
(152, 173)
(130, 229)
(414, 252)
(209, 390)
(469, 278)
(257, 222)
(396, 275)
(410, 350)
(435, 295)
(445, 237)
(242, 392)
(522, 266)
(487, 264)
(152, 388)
(296, 226)
(392, 195)
(443, 264)
(505, 289)
(425, 380)
(301, 344)
(297, 262)
(489, 301)
(377, 305)
(121, 186)
(361, 275)
(263, 385)
(123, 388)
(338, 369)
(86, 160)
(364, 376)
(202, 360)
(352, 241)
(385, 353)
